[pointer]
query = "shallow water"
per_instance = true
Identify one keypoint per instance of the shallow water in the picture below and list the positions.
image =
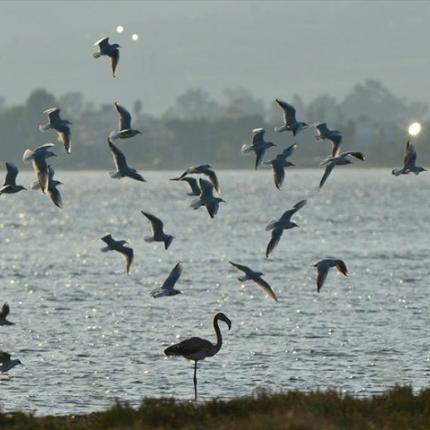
(87, 333)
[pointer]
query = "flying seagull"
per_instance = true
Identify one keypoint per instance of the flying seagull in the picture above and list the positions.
(338, 160)
(322, 132)
(118, 245)
(61, 126)
(110, 50)
(279, 164)
(168, 287)
(258, 145)
(158, 234)
(250, 275)
(409, 162)
(290, 122)
(53, 191)
(324, 266)
(3, 315)
(192, 182)
(203, 169)
(196, 348)
(124, 128)
(38, 159)
(283, 223)
(122, 169)
(6, 363)
(9, 186)
(207, 198)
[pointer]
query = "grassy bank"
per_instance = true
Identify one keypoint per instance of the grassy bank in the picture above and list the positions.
(397, 409)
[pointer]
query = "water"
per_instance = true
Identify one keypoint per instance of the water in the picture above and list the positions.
(87, 333)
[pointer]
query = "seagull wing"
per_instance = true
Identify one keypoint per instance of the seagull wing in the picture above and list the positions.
(103, 43)
(322, 275)
(286, 216)
(124, 117)
(192, 182)
(156, 223)
(118, 157)
(328, 169)
(207, 189)
(410, 155)
(173, 277)
(4, 311)
(266, 288)
(213, 178)
(259, 153)
(108, 240)
(129, 255)
(64, 137)
(114, 59)
(289, 111)
(278, 175)
(246, 270)
(41, 169)
(12, 173)
(55, 195)
(358, 155)
(287, 152)
(258, 136)
(276, 237)
(53, 115)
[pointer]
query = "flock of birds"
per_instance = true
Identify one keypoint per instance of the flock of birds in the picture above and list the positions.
(207, 193)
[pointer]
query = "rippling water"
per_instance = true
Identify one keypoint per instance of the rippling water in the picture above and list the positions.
(87, 333)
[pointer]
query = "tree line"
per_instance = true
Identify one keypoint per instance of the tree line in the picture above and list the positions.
(197, 128)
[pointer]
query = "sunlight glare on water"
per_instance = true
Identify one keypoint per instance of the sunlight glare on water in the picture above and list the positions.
(87, 333)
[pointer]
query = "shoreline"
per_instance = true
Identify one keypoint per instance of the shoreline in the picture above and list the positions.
(396, 408)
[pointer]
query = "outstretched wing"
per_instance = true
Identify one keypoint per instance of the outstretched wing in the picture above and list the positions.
(173, 277)
(240, 267)
(328, 169)
(156, 223)
(114, 59)
(287, 152)
(129, 255)
(258, 136)
(289, 111)
(286, 216)
(276, 236)
(266, 288)
(410, 155)
(108, 240)
(322, 275)
(278, 175)
(64, 137)
(192, 182)
(124, 117)
(118, 157)
(4, 311)
(213, 178)
(12, 173)
(103, 43)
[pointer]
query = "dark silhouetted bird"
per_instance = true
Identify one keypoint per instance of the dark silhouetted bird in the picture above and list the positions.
(124, 128)
(207, 198)
(109, 50)
(196, 348)
(9, 186)
(290, 122)
(325, 265)
(258, 145)
(61, 126)
(168, 287)
(283, 223)
(122, 169)
(118, 245)
(279, 164)
(409, 161)
(158, 234)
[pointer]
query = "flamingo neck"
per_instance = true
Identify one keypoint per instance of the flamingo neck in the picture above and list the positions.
(218, 344)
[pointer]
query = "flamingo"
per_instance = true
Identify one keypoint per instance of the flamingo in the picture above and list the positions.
(196, 348)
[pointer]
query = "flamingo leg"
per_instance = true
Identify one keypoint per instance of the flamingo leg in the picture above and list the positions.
(195, 380)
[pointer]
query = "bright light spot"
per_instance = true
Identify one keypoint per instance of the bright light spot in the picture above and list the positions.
(414, 128)
(119, 29)
(135, 37)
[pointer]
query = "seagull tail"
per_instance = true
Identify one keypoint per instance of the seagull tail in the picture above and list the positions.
(149, 239)
(167, 241)
(280, 129)
(115, 175)
(105, 249)
(44, 127)
(97, 54)
(196, 204)
(396, 172)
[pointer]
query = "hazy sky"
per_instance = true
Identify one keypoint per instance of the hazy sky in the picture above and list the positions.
(275, 49)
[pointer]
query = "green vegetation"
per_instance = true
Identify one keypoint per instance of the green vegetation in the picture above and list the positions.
(398, 408)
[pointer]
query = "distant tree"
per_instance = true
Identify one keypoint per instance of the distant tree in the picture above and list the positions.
(194, 103)
(72, 103)
(239, 102)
